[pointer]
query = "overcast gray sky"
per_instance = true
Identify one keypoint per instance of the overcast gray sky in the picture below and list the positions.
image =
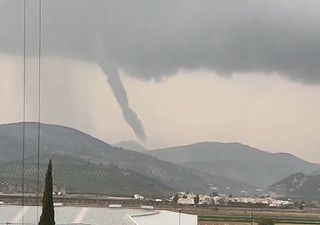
(178, 71)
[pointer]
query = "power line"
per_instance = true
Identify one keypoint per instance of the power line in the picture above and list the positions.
(39, 100)
(24, 108)
(24, 105)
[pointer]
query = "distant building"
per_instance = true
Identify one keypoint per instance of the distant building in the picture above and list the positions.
(137, 196)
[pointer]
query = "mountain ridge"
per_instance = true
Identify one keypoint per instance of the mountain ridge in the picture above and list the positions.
(71, 142)
(131, 145)
(236, 161)
(298, 185)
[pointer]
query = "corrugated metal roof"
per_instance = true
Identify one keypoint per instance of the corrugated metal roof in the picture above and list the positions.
(94, 216)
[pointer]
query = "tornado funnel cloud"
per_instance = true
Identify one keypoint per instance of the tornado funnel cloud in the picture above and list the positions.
(120, 94)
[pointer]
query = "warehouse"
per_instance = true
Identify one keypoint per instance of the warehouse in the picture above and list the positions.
(95, 216)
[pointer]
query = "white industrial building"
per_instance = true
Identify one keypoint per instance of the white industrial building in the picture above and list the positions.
(95, 216)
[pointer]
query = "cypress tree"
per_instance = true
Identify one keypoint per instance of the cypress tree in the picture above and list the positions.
(197, 200)
(47, 216)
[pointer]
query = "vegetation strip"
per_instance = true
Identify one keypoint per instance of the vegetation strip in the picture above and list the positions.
(247, 219)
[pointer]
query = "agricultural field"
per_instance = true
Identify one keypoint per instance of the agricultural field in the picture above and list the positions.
(242, 216)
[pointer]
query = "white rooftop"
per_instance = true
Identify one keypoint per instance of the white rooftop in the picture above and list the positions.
(95, 216)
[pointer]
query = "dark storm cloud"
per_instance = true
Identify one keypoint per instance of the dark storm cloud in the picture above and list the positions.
(151, 39)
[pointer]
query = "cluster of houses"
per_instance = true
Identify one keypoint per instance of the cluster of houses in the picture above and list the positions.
(271, 202)
(183, 198)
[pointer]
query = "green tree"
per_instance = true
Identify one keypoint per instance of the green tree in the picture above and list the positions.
(266, 221)
(47, 216)
(301, 205)
(196, 200)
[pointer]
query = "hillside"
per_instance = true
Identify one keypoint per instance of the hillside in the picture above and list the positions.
(236, 161)
(59, 140)
(79, 176)
(298, 185)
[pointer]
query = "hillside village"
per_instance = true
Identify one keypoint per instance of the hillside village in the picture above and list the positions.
(183, 198)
